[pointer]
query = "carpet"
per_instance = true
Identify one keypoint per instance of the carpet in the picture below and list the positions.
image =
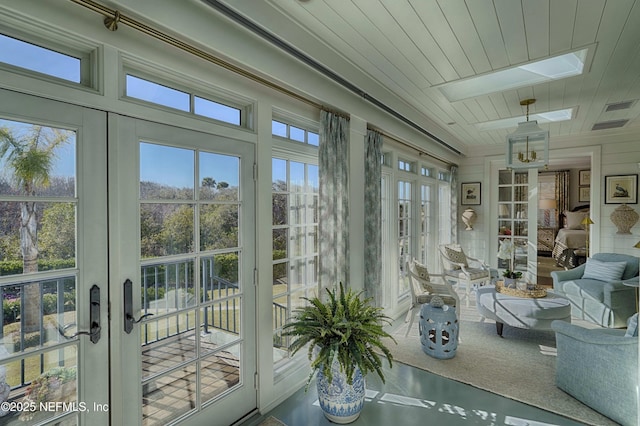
(271, 421)
(545, 266)
(520, 366)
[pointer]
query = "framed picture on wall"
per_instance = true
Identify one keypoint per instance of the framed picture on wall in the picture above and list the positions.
(621, 189)
(470, 194)
(584, 178)
(584, 194)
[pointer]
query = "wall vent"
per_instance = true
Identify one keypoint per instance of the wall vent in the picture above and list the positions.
(613, 124)
(617, 106)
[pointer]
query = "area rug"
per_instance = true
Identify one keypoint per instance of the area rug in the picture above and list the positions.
(271, 421)
(520, 366)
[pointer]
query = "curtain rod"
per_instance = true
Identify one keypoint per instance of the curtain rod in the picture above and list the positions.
(415, 148)
(114, 17)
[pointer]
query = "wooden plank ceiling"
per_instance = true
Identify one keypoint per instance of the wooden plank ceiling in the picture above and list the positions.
(400, 51)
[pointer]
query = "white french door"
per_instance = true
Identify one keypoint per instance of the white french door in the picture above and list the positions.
(54, 360)
(182, 260)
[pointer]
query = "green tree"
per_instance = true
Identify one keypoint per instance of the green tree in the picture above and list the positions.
(57, 236)
(30, 159)
(178, 231)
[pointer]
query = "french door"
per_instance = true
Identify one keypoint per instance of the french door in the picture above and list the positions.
(182, 274)
(126, 270)
(54, 359)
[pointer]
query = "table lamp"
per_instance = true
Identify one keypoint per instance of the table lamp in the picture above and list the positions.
(547, 205)
(586, 222)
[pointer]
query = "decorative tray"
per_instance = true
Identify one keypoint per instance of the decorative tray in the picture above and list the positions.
(536, 292)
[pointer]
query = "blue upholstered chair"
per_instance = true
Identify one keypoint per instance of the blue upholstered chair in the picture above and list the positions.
(599, 367)
(596, 291)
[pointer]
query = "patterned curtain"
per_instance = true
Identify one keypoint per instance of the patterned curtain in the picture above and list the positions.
(373, 217)
(562, 194)
(454, 203)
(333, 226)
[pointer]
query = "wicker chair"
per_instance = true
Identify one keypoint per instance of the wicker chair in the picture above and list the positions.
(423, 289)
(459, 268)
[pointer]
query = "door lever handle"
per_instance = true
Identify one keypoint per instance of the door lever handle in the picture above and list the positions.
(94, 318)
(129, 319)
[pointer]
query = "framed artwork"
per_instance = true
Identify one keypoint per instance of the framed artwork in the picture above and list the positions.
(584, 194)
(584, 178)
(470, 194)
(619, 189)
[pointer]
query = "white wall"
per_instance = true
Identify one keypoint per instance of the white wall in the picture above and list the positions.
(619, 154)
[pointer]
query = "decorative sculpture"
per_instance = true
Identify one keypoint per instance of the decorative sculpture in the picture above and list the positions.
(624, 217)
(469, 218)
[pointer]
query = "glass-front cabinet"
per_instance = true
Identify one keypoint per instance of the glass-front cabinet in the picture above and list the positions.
(513, 190)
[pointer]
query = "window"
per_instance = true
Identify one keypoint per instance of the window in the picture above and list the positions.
(405, 232)
(444, 213)
(426, 222)
(405, 165)
(164, 95)
(294, 133)
(426, 171)
(42, 60)
(295, 193)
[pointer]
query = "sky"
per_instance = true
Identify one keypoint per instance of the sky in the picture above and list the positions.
(160, 164)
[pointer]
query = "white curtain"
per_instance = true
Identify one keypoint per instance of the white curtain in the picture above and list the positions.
(333, 226)
(373, 217)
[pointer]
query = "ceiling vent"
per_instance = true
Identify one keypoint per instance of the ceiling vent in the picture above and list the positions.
(617, 106)
(613, 124)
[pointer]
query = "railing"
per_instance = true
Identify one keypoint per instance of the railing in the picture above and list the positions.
(280, 314)
(56, 297)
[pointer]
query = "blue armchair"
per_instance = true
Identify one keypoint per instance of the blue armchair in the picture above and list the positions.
(600, 298)
(599, 367)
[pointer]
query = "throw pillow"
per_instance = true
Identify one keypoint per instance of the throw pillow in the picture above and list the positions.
(421, 270)
(456, 256)
(574, 219)
(632, 326)
(603, 271)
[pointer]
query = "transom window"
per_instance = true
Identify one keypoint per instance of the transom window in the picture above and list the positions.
(298, 134)
(164, 95)
(32, 57)
(405, 165)
(426, 171)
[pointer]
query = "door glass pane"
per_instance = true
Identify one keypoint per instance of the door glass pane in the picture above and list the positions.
(218, 226)
(219, 175)
(196, 303)
(166, 173)
(166, 229)
(39, 313)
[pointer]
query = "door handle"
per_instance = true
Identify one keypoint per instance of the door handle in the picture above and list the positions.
(129, 319)
(94, 318)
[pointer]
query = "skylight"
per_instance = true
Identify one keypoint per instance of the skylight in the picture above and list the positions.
(558, 67)
(543, 117)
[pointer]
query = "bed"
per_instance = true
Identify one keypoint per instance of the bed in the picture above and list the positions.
(573, 236)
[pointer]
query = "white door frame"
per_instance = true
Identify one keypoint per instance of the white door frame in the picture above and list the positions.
(124, 136)
(91, 235)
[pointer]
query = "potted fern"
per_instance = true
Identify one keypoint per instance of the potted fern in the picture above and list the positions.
(344, 335)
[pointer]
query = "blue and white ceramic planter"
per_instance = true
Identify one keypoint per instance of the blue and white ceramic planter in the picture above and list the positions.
(341, 402)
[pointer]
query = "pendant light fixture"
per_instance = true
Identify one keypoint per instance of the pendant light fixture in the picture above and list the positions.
(528, 146)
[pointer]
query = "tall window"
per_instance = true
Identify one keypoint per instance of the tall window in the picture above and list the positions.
(426, 222)
(444, 213)
(405, 232)
(295, 241)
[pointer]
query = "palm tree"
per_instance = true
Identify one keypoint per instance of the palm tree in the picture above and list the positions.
(30, 157)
